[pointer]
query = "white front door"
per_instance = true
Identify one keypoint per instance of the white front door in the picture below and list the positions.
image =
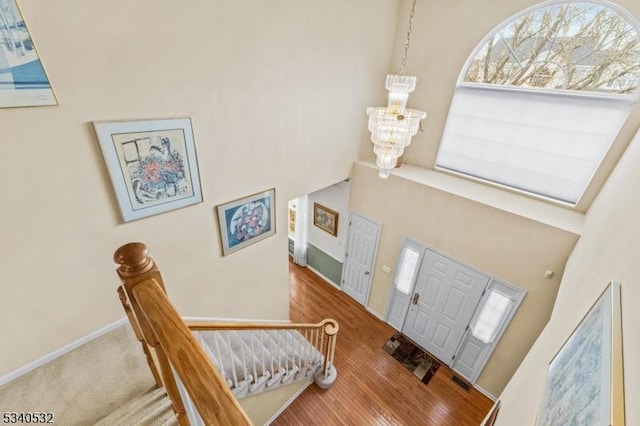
(443, 301)
(361, 252)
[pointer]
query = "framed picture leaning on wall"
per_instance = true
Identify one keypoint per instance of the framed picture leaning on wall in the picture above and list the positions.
(152, 165)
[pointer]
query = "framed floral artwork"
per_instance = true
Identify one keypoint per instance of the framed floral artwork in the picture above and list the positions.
(246, 221)
(325, 219)
(152, 165)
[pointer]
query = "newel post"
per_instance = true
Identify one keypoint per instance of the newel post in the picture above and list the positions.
(135, 268)
(326, 376)
(135, 265)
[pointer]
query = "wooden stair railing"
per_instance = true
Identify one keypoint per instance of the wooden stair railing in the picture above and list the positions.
(313, 333)
(156, 321)
(157, 325)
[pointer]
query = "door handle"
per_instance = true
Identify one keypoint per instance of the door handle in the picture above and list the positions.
(414, 299)
(367, 272)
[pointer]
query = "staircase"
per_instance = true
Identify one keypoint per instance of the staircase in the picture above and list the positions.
(205, 368)
(252, 361)
(152, 408)
(199, 370)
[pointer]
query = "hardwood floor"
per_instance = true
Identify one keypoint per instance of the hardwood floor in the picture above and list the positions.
(372, 388)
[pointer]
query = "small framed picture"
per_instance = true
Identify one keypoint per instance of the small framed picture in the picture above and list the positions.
(246, 221)
(325, 219)
(152, 165)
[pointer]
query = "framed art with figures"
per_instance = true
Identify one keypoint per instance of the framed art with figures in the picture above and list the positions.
(246, 221)
(152, 165)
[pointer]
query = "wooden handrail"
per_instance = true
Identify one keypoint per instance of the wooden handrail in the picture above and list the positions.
(208, 391)
(153, 316)
(330, 326)
(157, 325)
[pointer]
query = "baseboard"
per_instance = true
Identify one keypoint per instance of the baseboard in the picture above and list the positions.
(60, 352)
(96, 334)
(374, 313)
(286, 404)
(324, 278)
(485, 392)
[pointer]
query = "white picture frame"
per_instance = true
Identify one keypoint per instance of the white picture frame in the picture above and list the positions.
(152, 164)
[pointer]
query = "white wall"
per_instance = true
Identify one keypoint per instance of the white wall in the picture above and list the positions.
(334, 197)
(608, 250)
(276, 91)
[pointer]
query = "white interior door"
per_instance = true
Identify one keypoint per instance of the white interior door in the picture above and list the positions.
(361, 252)
(443, 301)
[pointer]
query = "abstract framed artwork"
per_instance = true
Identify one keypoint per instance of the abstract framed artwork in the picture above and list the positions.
(325, 219)
(23, 81)
(584, 384)
(152, 165)
(247, 220)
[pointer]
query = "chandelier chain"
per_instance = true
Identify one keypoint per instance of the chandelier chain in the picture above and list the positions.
(406, 45)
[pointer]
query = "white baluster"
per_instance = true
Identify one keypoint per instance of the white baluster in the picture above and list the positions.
(253, 357)
(233, 364)
(270, 341)
(244, 361)
(220, 359)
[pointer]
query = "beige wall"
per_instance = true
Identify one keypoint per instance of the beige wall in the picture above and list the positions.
(444, 34)
(276, 91)
(608, 250)
(502, 244)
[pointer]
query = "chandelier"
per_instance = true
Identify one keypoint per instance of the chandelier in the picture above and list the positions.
(393, 126)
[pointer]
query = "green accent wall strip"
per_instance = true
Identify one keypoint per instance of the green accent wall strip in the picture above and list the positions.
(325, 264)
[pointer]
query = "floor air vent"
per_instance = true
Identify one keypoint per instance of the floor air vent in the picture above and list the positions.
(462, 383)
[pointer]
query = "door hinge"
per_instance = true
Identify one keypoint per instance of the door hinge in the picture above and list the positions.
(349, 223)
(483, 292)
(346, 255)
(452, 358)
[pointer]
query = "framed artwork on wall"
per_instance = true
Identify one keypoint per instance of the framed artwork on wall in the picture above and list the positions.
(584, 384)
(152, 165)
(23, 81)
(246, 221)
(325, 219)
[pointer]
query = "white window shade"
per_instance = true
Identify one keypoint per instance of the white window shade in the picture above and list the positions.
(407, 270)
(545, 144)
(491, 317)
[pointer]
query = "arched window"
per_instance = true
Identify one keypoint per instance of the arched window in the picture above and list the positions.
(542, 98)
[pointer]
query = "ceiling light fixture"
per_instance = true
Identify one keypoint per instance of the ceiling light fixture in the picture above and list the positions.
(393, 126)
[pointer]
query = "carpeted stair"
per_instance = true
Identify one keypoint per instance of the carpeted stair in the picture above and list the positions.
(152, 408)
